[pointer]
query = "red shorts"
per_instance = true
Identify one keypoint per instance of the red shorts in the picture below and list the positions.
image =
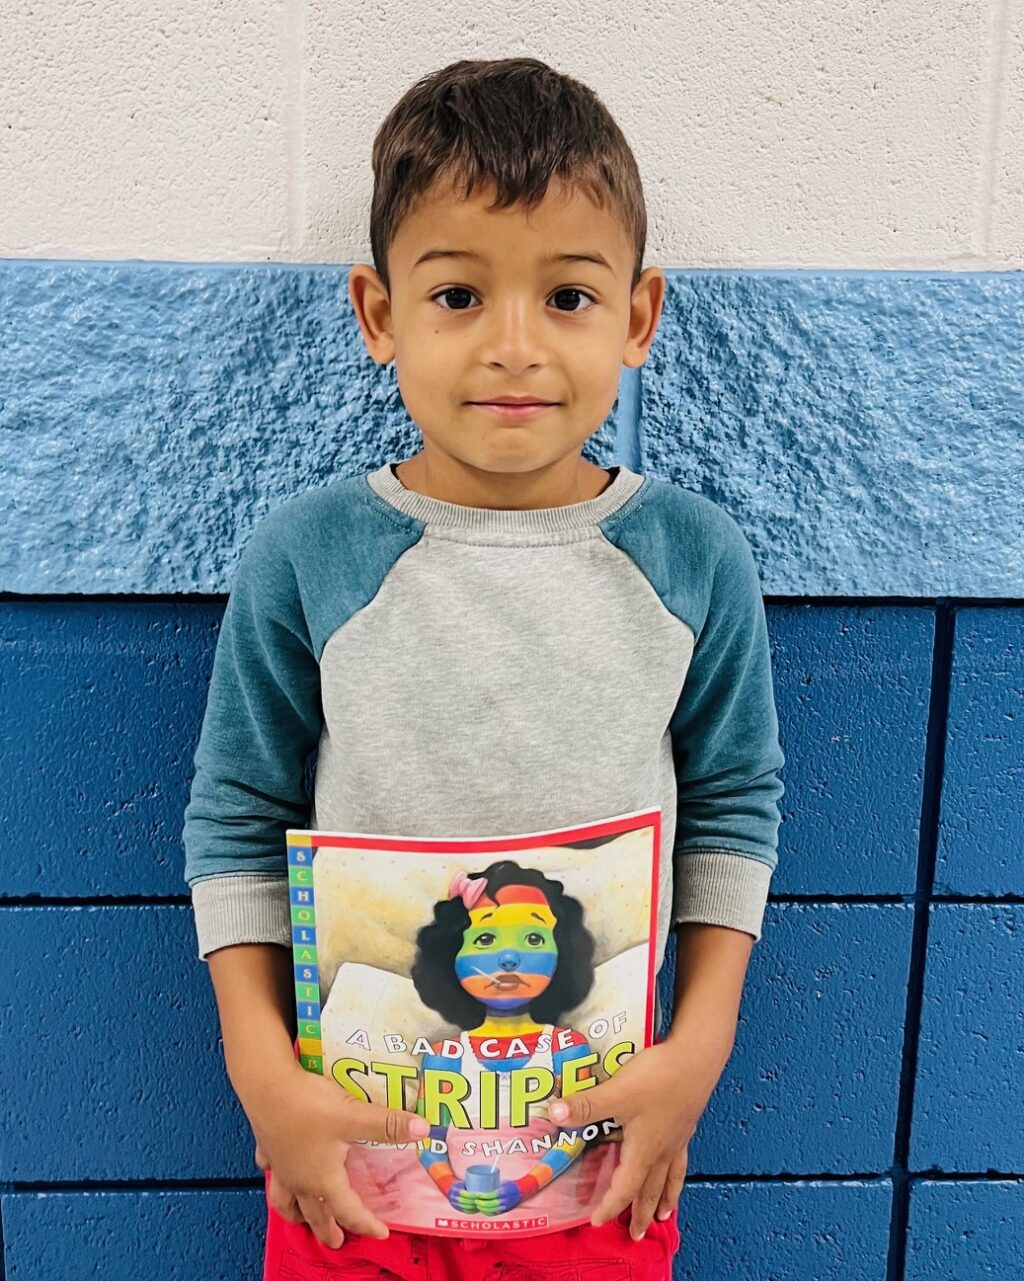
(607, 1253)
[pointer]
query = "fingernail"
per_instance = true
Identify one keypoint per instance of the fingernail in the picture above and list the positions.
(663, 1214)
(419, 1128)
(558, 1111)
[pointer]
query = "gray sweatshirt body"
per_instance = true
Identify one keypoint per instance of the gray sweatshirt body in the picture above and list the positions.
(467, 671)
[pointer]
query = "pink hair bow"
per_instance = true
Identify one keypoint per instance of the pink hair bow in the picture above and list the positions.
(469, 889)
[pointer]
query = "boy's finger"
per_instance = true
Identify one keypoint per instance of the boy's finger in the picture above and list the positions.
(282, 1200)
(598, 1103)
(382, 1125)
(646, 1202)
(627, 1179)
(325, 1228)
(669, 1203)
(344, 1203)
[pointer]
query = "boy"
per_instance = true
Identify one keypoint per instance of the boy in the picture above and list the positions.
(492, 636)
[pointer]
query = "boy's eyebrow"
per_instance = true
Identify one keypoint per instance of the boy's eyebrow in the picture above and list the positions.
(431, 254)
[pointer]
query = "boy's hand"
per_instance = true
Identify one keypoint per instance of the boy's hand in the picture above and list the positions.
(657, 1096)
(304, 1125)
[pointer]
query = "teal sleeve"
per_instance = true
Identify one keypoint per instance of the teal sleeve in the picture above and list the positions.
(263, 720)
(725, 740)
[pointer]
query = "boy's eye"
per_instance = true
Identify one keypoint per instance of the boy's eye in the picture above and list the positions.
(574, 293)
(484, 940)
(535, 940)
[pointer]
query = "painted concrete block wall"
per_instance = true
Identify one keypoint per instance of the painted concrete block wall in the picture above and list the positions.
(838, 200)
(795, 135)
(800, 1146)
(872, 1087)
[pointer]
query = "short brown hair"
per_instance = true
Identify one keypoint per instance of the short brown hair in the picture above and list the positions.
(514, 122)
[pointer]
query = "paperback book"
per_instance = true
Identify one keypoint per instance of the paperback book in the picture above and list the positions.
(474, 981)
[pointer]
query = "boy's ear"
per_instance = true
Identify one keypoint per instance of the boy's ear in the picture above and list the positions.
(644, 314)
(372, 306)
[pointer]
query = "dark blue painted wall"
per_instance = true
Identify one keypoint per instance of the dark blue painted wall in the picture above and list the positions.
(873, 1060)
(868, 1126)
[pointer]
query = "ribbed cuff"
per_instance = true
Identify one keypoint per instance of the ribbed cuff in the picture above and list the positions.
(241, 907)
(721, 887)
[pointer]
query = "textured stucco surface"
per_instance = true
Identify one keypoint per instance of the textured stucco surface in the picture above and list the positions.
(876, 418)
(867, 431)
(150, 415)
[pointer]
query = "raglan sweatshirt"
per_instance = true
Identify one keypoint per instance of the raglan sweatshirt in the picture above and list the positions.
(462, 671)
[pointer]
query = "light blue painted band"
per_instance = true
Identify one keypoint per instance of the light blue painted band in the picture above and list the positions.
(865, 429)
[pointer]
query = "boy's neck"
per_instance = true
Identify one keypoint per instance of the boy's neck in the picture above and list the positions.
(584, 482)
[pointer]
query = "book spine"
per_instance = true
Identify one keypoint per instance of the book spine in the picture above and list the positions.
(304, 952)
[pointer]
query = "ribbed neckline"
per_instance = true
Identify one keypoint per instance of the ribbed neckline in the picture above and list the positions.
(489, 520)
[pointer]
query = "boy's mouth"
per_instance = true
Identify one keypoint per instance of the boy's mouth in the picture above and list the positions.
(514, 400)
(502, 410)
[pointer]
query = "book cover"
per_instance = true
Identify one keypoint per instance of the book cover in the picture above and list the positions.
(474, 981)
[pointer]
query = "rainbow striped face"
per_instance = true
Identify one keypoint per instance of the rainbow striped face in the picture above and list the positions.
(508, 954)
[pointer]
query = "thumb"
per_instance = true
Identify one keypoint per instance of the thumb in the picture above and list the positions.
(596, 1103)
(391, 1125)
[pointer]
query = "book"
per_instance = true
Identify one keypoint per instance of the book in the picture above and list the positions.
(474, 980)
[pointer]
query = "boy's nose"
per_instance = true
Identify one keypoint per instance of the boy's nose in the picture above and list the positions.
(509, 961)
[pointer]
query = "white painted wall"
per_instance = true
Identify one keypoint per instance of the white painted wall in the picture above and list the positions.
(769, 133)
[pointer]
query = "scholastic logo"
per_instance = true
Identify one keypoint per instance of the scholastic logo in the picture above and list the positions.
(491, 1225)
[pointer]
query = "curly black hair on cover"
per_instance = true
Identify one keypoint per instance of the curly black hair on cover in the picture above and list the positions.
(437, 945)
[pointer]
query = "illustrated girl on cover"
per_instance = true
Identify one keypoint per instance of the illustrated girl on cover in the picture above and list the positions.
(506, 954)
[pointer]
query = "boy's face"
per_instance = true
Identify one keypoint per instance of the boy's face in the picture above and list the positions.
(464, 330)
